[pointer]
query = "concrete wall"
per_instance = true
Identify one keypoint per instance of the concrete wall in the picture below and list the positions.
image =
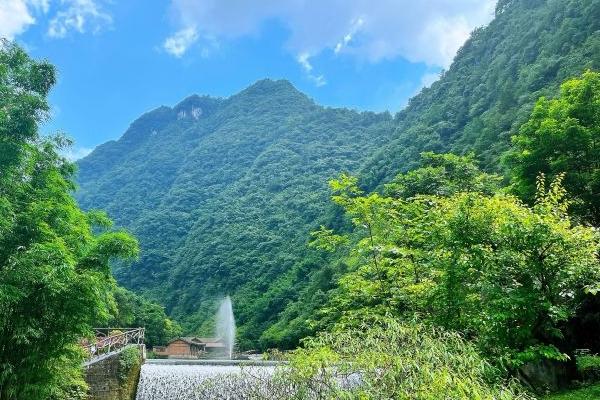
(116, 376)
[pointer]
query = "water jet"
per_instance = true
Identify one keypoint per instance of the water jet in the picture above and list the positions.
(225, 326)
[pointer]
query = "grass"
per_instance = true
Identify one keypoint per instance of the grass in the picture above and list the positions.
(591, 392)
(589, 368)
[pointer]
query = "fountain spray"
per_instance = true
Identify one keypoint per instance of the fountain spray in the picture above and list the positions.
(226, 325)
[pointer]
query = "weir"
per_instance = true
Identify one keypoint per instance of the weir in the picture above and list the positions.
(183, 379)
(199, 379)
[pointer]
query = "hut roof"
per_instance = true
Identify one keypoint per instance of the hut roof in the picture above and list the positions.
(214, 342)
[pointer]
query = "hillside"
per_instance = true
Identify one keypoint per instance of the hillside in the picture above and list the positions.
(222, 194)
(525, 52)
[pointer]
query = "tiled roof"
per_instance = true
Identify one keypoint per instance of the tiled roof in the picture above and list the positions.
(214, 342)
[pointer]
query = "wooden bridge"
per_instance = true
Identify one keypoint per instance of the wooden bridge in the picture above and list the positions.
(109, 341)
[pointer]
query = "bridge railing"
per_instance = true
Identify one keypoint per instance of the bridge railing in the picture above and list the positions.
(113, 339)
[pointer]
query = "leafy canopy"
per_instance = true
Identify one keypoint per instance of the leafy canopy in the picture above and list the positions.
(562, 136)
(488, 266)
(55, 279)
(386, 360)
(134, 310)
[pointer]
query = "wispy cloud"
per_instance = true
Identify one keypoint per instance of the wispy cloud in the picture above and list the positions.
(178, 43)
(16, 16)
(348, 37)
(419, 31)
(80, 16)
(304, 61)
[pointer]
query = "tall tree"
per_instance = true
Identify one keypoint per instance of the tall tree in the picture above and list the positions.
(498, 271)
(55, 279)
(562, 136)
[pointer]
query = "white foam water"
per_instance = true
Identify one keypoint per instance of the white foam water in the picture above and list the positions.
(199, 382)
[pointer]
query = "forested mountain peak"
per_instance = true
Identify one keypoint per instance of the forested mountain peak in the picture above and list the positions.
(223, 192)
(268, 94)
(270, 87)
(196, 106)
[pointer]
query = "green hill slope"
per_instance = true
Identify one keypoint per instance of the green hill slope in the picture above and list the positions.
(223, 193)
(525, 52)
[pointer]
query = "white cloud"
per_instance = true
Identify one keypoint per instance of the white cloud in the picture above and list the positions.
(304, 61)
(40, 5)
(348, 37)
(15, 18)
(80, 16)
(178, 43)
(75, 153)
(429, 31)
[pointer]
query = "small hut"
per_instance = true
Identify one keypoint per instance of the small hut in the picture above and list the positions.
(191, 347)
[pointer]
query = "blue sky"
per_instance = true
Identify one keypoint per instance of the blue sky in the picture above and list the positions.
(118, 59)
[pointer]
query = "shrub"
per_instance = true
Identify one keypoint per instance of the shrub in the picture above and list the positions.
(389, 360)
(589, 368)
(129, 359)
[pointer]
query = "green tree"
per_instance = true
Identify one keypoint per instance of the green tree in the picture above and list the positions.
(133, 310)
(562, 135)
(392, 251)
(507, 274)
(443, 175)
(490, 267)
(386, 360)
(55, 279)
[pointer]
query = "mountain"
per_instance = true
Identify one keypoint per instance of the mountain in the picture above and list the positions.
(222, 194)
(526, 52)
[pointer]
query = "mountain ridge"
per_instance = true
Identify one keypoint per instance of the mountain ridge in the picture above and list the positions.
(257, 164)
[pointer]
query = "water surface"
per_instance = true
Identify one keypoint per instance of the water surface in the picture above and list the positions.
(177, 380)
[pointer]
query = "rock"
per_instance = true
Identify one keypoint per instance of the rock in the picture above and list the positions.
(547, 375)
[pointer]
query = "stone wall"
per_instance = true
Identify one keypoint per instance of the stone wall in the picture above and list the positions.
(116, 376)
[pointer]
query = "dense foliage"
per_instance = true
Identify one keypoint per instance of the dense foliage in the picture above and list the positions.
(500, 272)
(388, 360)
(489, 91)
(224, 192)
(526, 52)
(563, 137)
(133, 310)
(55, 279)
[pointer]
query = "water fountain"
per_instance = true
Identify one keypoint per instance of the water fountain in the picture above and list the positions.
(225, 325)
(201, 379)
